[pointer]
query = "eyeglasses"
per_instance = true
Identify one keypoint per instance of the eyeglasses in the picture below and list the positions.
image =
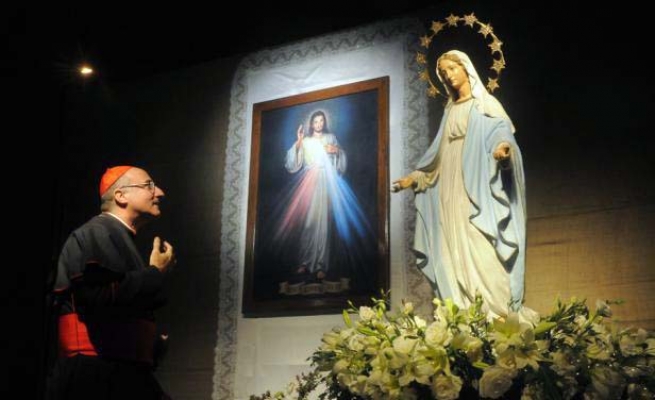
(150, 185)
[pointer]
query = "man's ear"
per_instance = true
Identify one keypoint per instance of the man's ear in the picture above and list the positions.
(120, 197)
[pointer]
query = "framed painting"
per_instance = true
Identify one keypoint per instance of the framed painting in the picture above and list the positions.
(318, 206)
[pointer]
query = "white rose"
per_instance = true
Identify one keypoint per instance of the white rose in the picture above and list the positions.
(446, 387)
(496, 381)
(366, 313)
(437, 334)
(423, 371)
(507, 359)
(404, 345)
(356, 343)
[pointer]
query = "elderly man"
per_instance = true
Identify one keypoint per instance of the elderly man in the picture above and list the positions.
(107, 295)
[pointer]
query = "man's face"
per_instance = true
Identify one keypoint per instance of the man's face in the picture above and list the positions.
(318, 123)
(453, 74)
(142, 199)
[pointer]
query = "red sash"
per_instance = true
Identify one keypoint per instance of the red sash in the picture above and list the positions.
(125, 340)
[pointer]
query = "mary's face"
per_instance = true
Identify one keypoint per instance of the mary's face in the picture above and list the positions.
(318, 123)
(453, 74)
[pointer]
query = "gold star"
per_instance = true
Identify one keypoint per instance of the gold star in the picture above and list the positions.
(425, 41)
(492, 85)
(470, 19)
(495, 45)
(452, 20)
(437, 26)
(485, 29)
(499, 65)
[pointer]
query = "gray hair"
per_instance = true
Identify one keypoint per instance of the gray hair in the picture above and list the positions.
(107, 199)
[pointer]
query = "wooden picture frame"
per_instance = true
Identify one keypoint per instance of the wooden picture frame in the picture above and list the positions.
(318, 208)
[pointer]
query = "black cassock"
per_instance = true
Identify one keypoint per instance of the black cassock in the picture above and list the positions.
(104, 288)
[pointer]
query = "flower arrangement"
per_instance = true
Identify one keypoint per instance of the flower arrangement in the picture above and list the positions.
(573, 353)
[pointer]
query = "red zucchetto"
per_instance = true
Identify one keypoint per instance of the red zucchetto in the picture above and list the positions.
(111, 175)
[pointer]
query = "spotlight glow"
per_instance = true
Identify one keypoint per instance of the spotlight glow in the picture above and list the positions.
(86, 70)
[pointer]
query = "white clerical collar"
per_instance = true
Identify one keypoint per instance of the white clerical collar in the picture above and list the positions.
(121, 221)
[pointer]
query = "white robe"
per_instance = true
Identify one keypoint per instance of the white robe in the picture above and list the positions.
(465, 252)
(320, 170)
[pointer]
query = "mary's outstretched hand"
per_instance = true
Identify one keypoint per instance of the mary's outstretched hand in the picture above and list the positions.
(402, 183)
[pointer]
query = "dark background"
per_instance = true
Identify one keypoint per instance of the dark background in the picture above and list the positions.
(577, 88)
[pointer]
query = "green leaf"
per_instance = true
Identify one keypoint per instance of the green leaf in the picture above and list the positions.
(544, 326)
(367, 331)
(346, 319)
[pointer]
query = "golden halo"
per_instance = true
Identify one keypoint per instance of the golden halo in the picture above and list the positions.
(453, 21)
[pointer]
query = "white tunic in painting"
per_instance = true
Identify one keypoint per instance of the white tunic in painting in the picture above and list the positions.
(311, 205)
